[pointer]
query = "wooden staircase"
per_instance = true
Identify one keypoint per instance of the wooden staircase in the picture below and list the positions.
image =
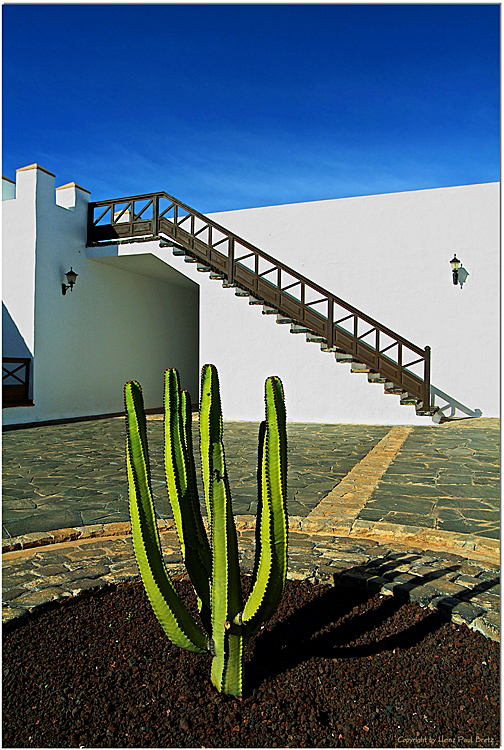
(339, 328)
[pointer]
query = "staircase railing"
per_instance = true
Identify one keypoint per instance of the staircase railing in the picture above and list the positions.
(342, 326)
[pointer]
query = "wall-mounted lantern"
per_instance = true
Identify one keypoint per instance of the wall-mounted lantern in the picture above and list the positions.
(455, 264)
(71, 278)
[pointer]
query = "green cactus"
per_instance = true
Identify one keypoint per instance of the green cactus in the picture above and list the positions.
(212, 567)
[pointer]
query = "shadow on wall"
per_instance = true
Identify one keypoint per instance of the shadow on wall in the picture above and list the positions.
(462, 275)
(13, 343)
(451, 404)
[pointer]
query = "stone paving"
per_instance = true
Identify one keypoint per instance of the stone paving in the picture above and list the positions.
(450, 480)
(74, 474)
(368, 506)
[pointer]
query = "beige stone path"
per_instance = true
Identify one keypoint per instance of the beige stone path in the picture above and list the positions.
(348, 498)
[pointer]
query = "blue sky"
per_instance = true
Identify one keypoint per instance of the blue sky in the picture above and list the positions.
(236, 106)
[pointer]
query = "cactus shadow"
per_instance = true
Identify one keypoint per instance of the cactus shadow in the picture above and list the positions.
(328, 624)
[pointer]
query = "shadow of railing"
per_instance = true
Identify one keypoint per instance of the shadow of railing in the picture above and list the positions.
(451, 404)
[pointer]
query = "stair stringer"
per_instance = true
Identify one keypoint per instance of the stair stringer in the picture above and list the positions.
(248, 346)
(297, 327)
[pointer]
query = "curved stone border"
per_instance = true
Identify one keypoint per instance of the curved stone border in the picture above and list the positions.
(465, 590)
(70, 534)
(468, 545)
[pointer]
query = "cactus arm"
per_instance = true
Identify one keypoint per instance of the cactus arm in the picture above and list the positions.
(271, 532)
(227, 664)
(209, 424)
(176, 621)
(226, 673)
(175, 473)
(202, 539)
(257, 556)
(182, 491)
(198, 554)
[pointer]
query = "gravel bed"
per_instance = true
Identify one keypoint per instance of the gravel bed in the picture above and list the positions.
(335, 667)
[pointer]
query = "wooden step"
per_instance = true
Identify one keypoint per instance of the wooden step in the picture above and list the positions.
(394, 389)
(240, 292)
(360, 367)
(231, 285)
(190, 259)
(433, 412)
(217, 276)
(428, 411)
(255, 301)
(269, 310)
(204, 269)
(282, 320)
(409, 400)
(175, 250)
(313, 338)
(375, 377)
(296, 328)
(344, 358)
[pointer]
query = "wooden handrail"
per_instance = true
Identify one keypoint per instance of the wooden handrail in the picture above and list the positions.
(128, 223)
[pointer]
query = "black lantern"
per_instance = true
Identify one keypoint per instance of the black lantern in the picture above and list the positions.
(71, 278)
(455, 264)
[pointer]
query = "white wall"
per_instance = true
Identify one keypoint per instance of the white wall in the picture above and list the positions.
(120, 322)
(134, 310)
(387, 255)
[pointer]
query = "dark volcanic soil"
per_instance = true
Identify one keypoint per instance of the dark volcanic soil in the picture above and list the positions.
(335, 667)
